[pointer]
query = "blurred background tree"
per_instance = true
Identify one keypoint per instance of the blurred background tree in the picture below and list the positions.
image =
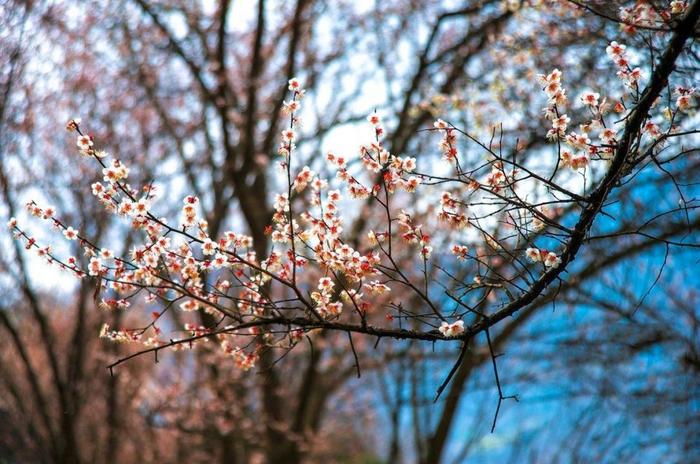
(605, 365)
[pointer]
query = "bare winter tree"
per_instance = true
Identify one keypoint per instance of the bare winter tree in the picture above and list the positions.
(418, 256)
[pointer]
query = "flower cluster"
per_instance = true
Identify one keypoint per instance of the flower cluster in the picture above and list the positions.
(451, 329)
(576, 162)
(581, 147)
(644, 14)
(548, 258)
(460, 251)
(684, 97)
(413, 233)
(556, 98)
(314, 276)
(630, 76)
(448, 143)
(497, 179)
(376, 122)
(590, 99)
(289, 135)
(242, 359)
(84, 142)
(323, 298)
(450, 211)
